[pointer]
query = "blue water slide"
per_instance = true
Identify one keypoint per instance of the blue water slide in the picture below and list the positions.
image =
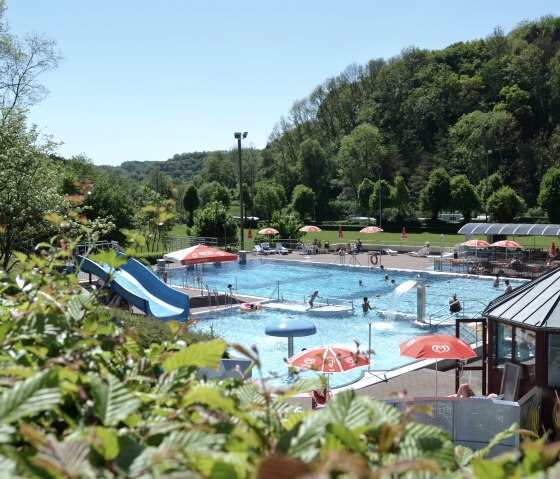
(140, 286)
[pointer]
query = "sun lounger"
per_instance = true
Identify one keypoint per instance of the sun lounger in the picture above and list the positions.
(266, 248)
(422, 252)
(280, 249)
(390, 251)
(257, 249)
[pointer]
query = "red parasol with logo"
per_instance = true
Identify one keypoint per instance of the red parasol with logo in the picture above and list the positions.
(436, 346)
(404, 236)
(553, 250)
(340, 234)
(507, 244)
(328, 359)
(250, 234)
(199, 254)
(476, 243)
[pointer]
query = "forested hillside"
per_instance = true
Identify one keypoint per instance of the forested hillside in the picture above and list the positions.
(425, 131)
(182, 167)
(428, 109)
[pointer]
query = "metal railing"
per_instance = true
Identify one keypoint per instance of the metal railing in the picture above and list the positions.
(174, 243)
(449, 318)
(319, 302)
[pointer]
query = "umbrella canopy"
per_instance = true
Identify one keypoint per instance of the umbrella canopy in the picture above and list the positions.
(268, 231)
(371, 229)
(340, 233)
(310, 229)
(404, 236)
(328, 359)
(507, 244)
(250, 234)
(436, 346)
(553, 249)
(199, 254)
(476, 243)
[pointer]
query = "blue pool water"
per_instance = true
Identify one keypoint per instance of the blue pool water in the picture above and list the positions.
(262, 277)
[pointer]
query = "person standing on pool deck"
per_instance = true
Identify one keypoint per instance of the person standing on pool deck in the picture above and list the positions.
(366, 306)
(314, 296)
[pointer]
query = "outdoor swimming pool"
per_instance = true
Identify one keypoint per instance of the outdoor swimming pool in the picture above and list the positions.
(263, 277)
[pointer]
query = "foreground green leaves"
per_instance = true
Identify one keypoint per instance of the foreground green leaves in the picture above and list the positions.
(80, 397)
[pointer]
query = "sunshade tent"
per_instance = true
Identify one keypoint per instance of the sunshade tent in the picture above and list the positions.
(436, 346)
(199, 254)
(268, 231)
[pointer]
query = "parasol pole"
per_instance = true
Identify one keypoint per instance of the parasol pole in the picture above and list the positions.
(369, 346)
(436, 376)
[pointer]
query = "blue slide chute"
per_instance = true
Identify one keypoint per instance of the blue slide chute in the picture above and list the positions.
(140, 286)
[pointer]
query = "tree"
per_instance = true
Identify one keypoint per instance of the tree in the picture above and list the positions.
(401, 198)
(287, 226)
(386, 196)
(464, 197)
(158, 181)
(191, 202)
(505, 205)
(436, 194)
(219, 168)
(22, 61)
(221, 194)
(214, 221)
(549, 194)
(269, 197)
(365, 190)
(29, 187)
(485, 188)
(361, 152)
(303, 201)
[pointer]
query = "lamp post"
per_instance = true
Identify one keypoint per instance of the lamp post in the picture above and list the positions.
(441, 251)
(379, 171)
(239, 136)
(486, 152)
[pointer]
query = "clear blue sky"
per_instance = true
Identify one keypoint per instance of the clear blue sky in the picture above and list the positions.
(143, 80)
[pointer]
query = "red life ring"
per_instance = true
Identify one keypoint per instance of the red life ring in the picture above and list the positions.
(373, 259)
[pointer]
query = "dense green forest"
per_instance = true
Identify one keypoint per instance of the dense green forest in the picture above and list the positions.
(476, 108)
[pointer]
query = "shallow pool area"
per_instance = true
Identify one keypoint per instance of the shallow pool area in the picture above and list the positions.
(392, 319)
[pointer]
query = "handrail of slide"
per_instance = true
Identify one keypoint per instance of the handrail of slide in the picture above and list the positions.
(138, 285)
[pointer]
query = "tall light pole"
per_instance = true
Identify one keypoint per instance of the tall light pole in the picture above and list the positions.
(486, 152)
(379, 171)
(239, 136)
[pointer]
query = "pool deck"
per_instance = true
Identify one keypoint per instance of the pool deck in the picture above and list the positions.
(414, 380)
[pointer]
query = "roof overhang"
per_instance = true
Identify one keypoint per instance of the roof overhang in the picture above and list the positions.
(520, 229)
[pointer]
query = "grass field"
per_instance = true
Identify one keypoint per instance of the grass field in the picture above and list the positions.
(414, 239)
